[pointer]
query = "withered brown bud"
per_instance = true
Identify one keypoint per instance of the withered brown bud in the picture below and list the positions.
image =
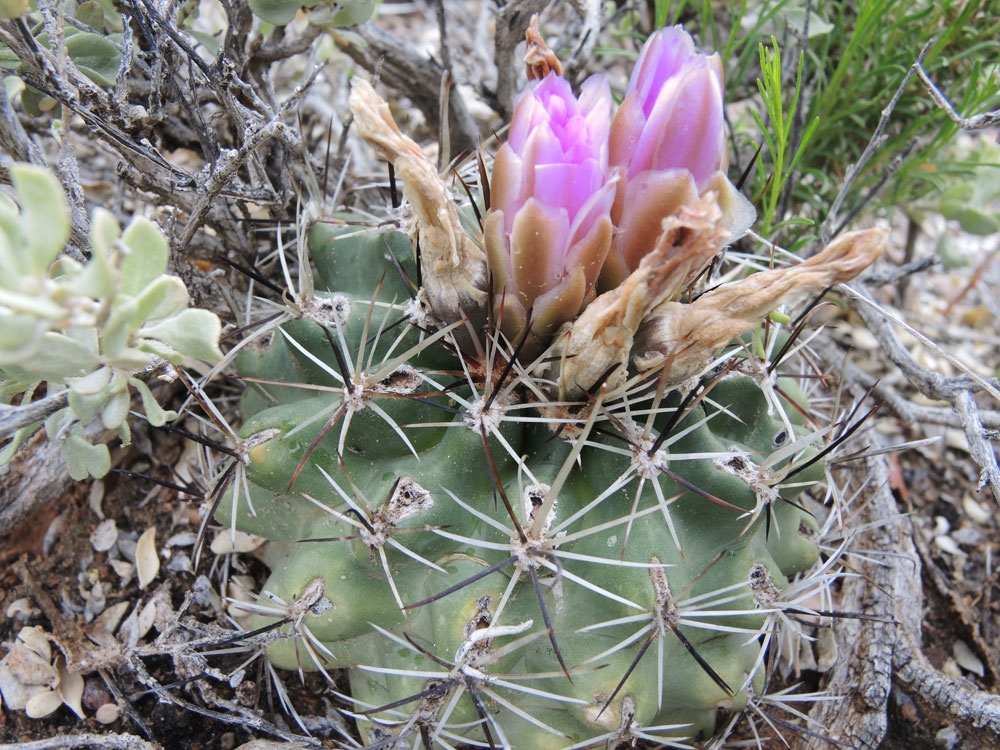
(539, 60)
(683, 338)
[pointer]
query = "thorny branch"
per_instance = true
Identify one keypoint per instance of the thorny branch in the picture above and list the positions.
(976, 122)
(13, 418)
(174, 640)
(112, 741)
(123, 126)
(904, 408)
(833, 222)
(401, 67)
(863, 674)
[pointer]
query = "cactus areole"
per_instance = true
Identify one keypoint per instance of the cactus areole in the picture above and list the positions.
(508, 490)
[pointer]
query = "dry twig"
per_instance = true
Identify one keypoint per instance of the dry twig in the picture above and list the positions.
(957, 391)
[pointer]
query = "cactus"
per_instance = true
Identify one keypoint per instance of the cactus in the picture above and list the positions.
(530, 536)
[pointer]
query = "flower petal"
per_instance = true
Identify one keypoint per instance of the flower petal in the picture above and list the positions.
(538, 247)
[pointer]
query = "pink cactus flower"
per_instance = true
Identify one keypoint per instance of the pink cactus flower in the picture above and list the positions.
(549, 227)
(578, 201)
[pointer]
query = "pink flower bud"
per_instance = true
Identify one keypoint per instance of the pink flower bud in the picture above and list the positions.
(672, 116)
(549, 227)
(667, 141)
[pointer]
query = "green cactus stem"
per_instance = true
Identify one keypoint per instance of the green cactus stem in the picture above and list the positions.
(403, 480)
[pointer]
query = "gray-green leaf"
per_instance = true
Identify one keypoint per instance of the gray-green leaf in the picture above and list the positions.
(192, 333)
(83, 459)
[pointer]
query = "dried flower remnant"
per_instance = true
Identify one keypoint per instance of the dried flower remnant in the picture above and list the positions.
(453, 267)
(549, 226)
(539, 60)
(684, 337)
(599, 342)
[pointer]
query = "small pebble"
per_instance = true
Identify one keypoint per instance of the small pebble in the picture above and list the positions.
(948, 738)
(108, 713)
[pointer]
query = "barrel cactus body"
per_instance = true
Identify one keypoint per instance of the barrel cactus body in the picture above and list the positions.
(632, 597)
(531, 536)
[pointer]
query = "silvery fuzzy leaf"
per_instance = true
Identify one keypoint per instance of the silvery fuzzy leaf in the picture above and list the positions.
(13, 8)
(192, 333)
(161, 298)
(26, 299)
(87, 406)
(147, 257)
(115, 410)
(19, 338)
(97, 279)
(92, 384)
(155, 414)
(117, 331)
(278, 12)
(83, 459)
(44, 217)
(104, 232)
(14, 442)
(59, 357)
(96, 56)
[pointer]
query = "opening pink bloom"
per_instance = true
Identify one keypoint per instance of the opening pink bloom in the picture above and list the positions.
(549, 227)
